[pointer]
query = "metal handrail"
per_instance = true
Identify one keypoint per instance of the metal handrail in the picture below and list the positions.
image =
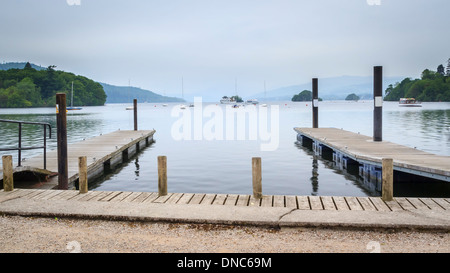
(20, 148)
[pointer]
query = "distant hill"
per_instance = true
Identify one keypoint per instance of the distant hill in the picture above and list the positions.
(126, 94)
(336, 88)
(20, 65)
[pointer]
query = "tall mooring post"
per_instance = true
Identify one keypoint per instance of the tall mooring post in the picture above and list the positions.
(378, 103)
(61, 124)
(315, 103)
(135, 114)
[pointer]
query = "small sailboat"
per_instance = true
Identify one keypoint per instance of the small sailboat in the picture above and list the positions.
(71, 103)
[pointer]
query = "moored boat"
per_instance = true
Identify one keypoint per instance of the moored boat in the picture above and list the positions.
(227, 100)
(409, 102)
(252, 101)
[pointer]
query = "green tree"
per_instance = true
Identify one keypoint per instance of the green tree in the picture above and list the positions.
(428, 75)
(441, 70)
(237, 98)
(28, 66)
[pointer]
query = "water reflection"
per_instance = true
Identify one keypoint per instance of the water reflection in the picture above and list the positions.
(223, 166)
(405, 185)
(79, 127)
(427, 130)
(315, 176)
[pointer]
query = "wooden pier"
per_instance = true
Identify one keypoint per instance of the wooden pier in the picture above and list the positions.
(333, 203)
(232, 209)
(352, 148)
(103, 152)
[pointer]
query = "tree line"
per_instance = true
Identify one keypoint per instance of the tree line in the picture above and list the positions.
(433, 86)
(29, 87)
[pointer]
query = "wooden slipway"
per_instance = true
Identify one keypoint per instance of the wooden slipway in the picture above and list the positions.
(363, 149)
(102, 152)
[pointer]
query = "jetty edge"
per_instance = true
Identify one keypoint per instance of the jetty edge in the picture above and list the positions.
(103, 153)
(354, 148)
(431, 214)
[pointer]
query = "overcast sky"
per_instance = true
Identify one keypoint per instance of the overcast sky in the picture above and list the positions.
(213, 43)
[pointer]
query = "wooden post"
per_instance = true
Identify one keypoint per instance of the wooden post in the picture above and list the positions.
(257, 177)
(315, 102)
(82, 174)
(61, 123)
(378, 103)
(162, 175)
(388, 179)
(8, 176)
(135, 114)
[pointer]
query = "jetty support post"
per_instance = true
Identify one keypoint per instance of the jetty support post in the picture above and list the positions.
(315, 102)
(257, 177)
(82, 174)
(162, 175)
(61, 123)
(8, 174)
(378, 104)
(135, 114)
(387, 186)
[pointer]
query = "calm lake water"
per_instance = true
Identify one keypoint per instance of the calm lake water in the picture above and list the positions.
(205, 163)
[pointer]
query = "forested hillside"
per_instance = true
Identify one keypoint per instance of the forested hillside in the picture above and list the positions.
(29, 87)
(433, 86)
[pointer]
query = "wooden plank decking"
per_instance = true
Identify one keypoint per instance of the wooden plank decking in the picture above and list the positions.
(363, 149)
(333, 203)
(110, 149)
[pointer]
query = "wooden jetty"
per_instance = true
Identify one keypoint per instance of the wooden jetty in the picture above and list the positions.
(103, 152)
(231, 209)
(352, 148)
(334, 203)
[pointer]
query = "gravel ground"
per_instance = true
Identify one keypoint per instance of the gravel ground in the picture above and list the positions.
(46, 235)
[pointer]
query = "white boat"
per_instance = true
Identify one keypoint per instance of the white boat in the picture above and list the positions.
(227, 100)
(252, 101)
(409, 102)
(182, 106)
(130, 108)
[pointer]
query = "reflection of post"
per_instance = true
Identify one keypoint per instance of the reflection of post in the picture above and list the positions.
(135, 114)
(136, 163)
(315, 176)
(61, 124)
(315, 102)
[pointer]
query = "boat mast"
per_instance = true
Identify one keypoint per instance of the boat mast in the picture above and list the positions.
(71, 100)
